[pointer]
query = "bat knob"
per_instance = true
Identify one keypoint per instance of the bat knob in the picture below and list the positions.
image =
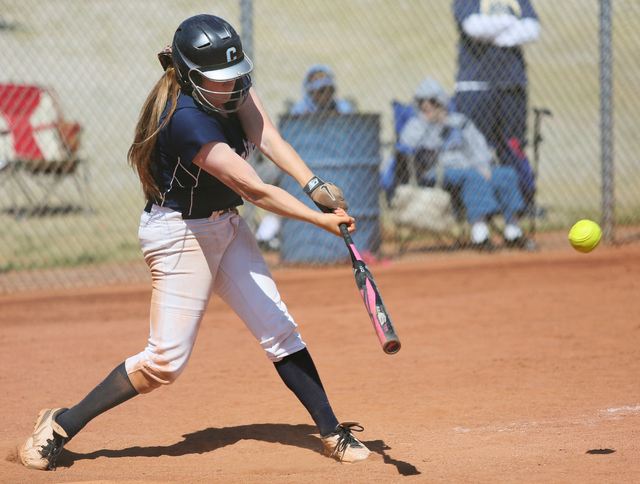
(391, 347)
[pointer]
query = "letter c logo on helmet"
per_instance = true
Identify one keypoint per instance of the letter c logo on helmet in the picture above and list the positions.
(231, 54)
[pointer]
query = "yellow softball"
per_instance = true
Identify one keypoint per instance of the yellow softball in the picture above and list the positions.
(585, 236)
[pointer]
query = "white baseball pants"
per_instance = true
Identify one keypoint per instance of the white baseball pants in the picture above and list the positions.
(190, 260)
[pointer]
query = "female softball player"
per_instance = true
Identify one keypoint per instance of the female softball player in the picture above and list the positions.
(196, 129)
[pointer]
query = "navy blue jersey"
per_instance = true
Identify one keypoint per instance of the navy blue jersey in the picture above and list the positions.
(482, 61)
(185, 186)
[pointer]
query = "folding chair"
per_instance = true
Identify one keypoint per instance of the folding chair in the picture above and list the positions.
(388, 175)
(397, 171)
(38, 150)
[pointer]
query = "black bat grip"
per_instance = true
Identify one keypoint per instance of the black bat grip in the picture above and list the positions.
(348, 241)
(345, 233)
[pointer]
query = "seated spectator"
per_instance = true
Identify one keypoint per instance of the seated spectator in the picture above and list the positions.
(450, 142)
(318, 97)
(319, 93)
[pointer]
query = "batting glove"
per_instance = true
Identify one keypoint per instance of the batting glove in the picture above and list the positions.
(326, 196)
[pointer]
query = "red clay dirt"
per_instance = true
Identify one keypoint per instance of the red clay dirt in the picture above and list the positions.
(514, 368)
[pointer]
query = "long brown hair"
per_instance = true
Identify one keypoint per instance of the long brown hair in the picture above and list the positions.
(147, 129)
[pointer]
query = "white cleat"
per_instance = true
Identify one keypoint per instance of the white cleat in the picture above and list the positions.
(343, 446)
(42, 448)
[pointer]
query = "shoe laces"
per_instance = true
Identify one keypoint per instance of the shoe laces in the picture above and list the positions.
(346, 438)
(51, 450)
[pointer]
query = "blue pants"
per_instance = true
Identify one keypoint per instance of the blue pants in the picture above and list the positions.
(482, 197)
(501, 116)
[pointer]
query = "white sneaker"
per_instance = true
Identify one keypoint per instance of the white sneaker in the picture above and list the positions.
(512, 232)
(42, 448)
(343, 446)
(479, 232)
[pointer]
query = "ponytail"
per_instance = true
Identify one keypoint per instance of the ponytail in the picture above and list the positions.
(147, 129)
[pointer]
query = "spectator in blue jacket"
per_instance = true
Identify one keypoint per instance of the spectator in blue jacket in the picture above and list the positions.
(319, 93)
(447, 145)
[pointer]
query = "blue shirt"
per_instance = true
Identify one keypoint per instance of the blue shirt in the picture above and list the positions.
(481, 61)
(185, 186)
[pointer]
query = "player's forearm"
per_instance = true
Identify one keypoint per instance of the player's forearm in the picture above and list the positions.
(259, 128)
(278, 201)
(288, 160)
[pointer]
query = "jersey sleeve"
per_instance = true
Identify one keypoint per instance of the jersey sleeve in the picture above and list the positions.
(411, 134)
(191, 129)
(479, 155)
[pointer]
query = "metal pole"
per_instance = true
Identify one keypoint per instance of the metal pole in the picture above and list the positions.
(246, 20)
(606, 121)
(537, 138)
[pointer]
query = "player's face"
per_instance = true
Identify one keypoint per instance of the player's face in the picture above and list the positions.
(217, 93)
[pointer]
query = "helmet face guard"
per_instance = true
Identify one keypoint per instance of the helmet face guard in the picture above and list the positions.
(206, 98)
(206, 46)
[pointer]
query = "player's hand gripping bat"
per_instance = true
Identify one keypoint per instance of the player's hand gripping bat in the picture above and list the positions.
(371, 297)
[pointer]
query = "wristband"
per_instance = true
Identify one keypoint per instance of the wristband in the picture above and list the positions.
(312, 184)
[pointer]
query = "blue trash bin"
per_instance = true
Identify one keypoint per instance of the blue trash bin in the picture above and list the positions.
(345, 150)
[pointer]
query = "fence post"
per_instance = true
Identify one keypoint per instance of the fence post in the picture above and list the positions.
(246, 21)
(606, 122)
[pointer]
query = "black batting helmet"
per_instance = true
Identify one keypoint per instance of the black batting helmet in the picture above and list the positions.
(208, 46)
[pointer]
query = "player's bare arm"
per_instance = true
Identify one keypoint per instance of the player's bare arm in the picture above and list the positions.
(261, 131)
(223, 163)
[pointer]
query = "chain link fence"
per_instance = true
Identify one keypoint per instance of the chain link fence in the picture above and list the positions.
(71, 220)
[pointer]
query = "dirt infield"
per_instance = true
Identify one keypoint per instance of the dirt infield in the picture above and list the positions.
(514, 368)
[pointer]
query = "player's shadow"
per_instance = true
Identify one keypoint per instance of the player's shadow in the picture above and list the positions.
(210, 439)
(404, 468)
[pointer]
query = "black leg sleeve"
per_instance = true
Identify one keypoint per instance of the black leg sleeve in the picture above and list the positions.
(114, 390)
(299, 373)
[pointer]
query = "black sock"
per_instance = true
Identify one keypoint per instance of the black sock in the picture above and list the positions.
(299, 374)
(114, 390)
